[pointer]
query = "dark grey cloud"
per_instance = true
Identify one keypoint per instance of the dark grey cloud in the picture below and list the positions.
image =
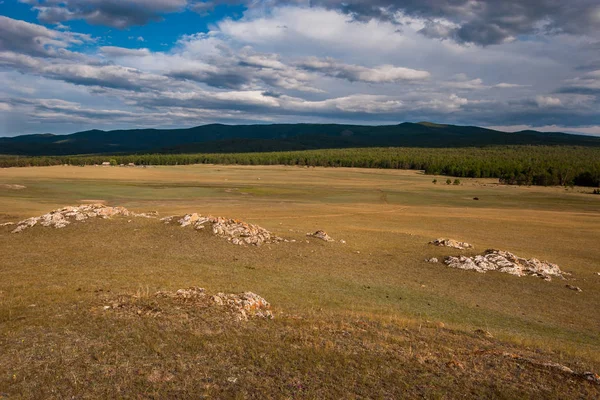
(114, 13)
(36, 40)
(219, 78)
(587, 84)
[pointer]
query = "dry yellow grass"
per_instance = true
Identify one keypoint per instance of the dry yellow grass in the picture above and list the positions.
(354, 320)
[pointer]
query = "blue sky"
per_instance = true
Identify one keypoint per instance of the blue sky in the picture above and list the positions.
(69, 65)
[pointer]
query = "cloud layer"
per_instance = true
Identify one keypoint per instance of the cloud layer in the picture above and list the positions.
(472, 62)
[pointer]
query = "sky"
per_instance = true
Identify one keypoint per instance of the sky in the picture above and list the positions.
(72, 65)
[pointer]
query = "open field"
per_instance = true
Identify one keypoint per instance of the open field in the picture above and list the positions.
(368, 318)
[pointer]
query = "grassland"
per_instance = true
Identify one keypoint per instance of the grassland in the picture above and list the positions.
(363, 319)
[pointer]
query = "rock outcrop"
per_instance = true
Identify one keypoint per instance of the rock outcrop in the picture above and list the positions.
(244, 305)
(321, 235)
(504, 261)
(235, 231)
(451, 243)
(64, 216)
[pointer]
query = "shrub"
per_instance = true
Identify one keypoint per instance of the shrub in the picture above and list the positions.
(448, 181)
(457, 181)
(113, 162)
(434, 181)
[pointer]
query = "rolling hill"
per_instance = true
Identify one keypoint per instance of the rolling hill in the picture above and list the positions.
(218, 138)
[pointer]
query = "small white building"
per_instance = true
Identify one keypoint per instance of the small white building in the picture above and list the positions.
(106, 164)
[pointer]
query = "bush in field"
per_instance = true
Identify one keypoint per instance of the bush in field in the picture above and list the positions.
(456, 182)
(434, 181)
(448, 181)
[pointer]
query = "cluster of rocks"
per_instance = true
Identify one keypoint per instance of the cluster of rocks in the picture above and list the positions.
(451, 243)
(244, 305)
(64, 216)
(235, 231)
(321, 235)
(504, 261)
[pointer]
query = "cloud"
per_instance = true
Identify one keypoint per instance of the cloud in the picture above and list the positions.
(483, 22)
(113, 51)
(115, 13)
(353, 73)
(588, 83)
(36, 40)
(293, 64)
(547, 101)
(505, 85)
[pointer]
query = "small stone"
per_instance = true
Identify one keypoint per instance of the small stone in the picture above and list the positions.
(574, 288)
(432, 260)
(484, 333)
(321, 235)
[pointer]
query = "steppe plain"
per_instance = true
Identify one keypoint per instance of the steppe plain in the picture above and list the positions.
(367, 318)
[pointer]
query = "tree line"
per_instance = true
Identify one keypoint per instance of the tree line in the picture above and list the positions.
(521, 165)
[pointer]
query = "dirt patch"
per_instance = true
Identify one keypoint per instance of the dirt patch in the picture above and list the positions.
(504, 261)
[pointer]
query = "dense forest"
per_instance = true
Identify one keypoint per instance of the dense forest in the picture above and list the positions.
(522, 165)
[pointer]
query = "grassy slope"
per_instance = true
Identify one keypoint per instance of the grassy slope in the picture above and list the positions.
(347, 324)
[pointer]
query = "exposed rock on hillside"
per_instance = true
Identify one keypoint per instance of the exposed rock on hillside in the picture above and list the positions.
(64, 216)
(237, 232)
(451, 243)
(504, 261)
(244, 305)
(321, 235)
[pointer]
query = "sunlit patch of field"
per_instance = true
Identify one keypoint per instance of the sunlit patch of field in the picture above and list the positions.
(368, 318)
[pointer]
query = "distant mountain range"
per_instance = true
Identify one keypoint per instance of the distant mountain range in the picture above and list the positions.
(217, 138)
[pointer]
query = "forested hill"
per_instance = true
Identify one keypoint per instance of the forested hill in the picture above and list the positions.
(217, 138)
